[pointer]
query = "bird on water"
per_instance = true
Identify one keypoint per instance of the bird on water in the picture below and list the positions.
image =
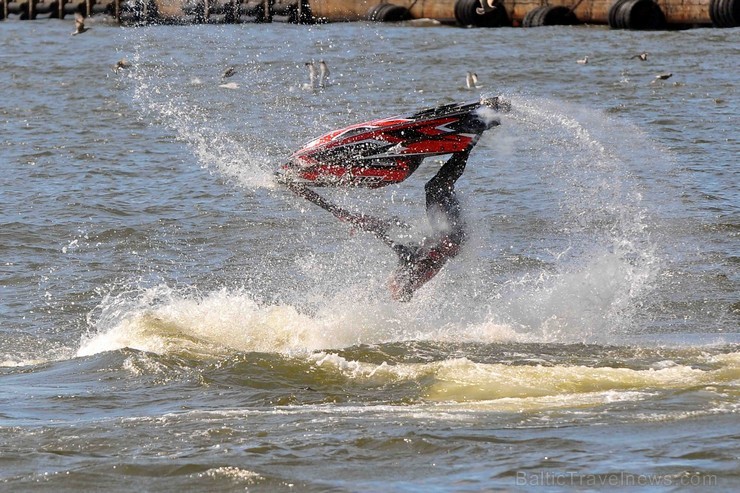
(79, 24)
(471, 80)
(583, 61)
(323, 73)
(311, 76)
(642, 56)
(229, 72)
(121, 64)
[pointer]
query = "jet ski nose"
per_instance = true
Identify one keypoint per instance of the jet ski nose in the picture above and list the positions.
(487, 114)
(497, 103)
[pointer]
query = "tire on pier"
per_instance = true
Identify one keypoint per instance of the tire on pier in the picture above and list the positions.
(388, 12)
(612, 16)
(466, 14)
(550, 15)
(636, 15)
(725, 13)
(533, 17)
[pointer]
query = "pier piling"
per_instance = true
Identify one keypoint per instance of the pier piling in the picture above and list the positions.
(617, 14)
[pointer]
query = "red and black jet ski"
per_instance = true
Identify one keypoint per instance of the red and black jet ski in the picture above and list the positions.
(388, 150)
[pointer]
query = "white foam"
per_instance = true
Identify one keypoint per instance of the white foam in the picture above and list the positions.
(162, 320)
(588, 296)
(234, 473)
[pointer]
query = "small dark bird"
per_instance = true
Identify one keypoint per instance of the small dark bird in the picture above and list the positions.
(323, 73)
(663, 76)
(79, 25)
(229, 72)
(642, 56)
(121, 65)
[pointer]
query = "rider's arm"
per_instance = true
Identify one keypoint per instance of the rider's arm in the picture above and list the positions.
(378, 227)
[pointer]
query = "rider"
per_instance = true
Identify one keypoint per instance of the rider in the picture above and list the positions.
(420, 262)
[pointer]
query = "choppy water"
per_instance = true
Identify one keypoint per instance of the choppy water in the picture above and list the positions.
(170, 321)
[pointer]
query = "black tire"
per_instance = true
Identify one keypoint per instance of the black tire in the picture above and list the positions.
(529, 19)
(559, 15)
(466, 15)
(614, 14)
(387, 12)
(539, 17)
(714, 8)
(375, 13)
(724, 13)
(463, 12)
(623, 14)
(396, 13)
(728, 13)
(642, 15)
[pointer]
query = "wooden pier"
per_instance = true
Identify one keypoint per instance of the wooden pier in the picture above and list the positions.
(136, 12)
(617, 14)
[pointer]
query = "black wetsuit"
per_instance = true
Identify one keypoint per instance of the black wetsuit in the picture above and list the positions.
(419, 263)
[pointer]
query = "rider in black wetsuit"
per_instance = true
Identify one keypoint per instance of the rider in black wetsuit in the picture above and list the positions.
(421, 262)
(418, 263)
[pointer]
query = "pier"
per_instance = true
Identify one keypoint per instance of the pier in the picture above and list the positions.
(617, 14)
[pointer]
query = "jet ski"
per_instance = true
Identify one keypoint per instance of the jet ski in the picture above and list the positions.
(388, 150)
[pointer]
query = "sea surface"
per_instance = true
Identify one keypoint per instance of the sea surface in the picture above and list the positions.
(173, 321)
